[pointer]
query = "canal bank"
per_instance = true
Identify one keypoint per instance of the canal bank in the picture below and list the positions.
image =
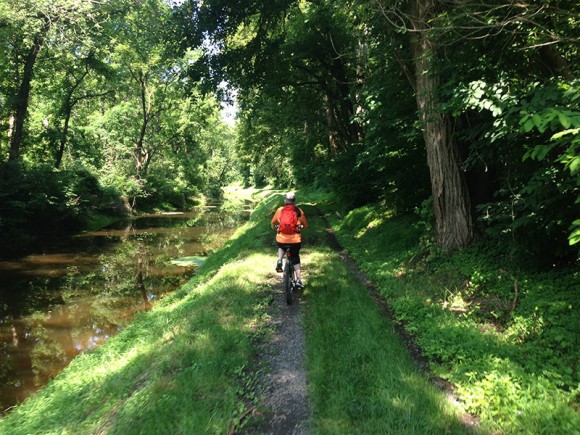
(175, 368)
(192, 364)
(72, 294)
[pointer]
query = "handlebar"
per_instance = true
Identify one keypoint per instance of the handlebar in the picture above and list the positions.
(298, 227)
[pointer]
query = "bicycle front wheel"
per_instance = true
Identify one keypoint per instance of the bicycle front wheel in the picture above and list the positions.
(288, 283)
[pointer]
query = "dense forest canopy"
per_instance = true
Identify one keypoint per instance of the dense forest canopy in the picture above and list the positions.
(469, 105)
(465, 111)
(98, 116)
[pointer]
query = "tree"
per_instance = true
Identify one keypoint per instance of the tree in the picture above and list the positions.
(284, 54)
(452, 208)
(28, 27)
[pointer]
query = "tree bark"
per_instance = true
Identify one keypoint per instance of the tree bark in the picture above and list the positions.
(555, 63)
(67, 108)
(140, 153)
(333, 136)
(63, 138)
(453, 220)
(22, 98)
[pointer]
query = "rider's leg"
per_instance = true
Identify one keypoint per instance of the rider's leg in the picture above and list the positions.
(297, 271)
(279, 260)
(295, 252)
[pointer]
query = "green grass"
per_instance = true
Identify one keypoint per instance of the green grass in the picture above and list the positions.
(186, 366)
(362, 380)
(514, 361)
(360, 375)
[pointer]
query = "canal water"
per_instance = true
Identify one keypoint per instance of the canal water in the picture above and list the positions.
(75, 293)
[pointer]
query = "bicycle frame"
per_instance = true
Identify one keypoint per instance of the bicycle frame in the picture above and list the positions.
(289, 278)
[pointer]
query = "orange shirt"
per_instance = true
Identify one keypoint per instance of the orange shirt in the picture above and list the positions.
(289, 238)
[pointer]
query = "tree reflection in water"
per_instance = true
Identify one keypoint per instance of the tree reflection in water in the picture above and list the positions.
(58, 304)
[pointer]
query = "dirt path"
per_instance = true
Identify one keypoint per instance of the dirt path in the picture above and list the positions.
(283, 385)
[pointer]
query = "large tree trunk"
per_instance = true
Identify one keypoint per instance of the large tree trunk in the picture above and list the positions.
(453, 221)
(21, 106)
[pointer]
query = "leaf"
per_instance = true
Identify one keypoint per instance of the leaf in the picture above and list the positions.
(540, 151)
(564, 120)
(563, 133)
(527, 155)
(574, 237)
(575, 165)
(528, 125)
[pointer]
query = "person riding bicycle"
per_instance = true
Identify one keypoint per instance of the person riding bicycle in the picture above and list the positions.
(289, 221)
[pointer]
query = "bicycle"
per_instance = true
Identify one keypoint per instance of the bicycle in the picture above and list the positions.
(289, 277)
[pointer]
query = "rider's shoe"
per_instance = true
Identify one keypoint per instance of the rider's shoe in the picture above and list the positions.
(279, 266)
(299, 284)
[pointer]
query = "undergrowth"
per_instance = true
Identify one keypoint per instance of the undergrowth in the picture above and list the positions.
(508, 338)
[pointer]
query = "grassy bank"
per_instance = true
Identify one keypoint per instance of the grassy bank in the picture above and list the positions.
(175, 369)
(361, 377)
(187, 365)
(506, 337)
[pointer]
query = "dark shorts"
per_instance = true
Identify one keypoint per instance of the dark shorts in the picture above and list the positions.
(294, 250)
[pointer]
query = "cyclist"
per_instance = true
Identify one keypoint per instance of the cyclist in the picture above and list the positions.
(290, 238)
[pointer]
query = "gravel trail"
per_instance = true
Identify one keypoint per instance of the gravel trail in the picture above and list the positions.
(283, 383)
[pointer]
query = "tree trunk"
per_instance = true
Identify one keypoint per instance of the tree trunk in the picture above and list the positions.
(63, 138)
(21, 106)
(67, 108)
(140, 153)
(555, 63)
(333, 136)
(348, 128)
(453, 221)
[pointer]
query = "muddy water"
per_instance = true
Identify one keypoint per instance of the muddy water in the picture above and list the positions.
(76, 293)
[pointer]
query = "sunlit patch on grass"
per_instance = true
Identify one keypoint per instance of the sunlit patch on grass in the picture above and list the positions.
(511, 330)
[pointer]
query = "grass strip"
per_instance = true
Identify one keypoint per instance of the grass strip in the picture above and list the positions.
(361, 377)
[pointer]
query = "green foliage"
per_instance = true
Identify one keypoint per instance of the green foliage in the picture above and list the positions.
(108, 94)
(38, 200)
(531, 192)
(555, 109)
(505, 336)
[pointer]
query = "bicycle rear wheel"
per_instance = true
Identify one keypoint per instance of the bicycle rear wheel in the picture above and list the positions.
(287, 281)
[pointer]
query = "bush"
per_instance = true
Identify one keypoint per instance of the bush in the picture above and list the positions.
(41, 200)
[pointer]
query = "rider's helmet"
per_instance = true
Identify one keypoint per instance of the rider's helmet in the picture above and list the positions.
(290, 198)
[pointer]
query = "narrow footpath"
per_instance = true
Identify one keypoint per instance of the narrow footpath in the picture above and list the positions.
(283, 384)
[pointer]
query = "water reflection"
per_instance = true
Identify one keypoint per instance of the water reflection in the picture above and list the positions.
(74, 296)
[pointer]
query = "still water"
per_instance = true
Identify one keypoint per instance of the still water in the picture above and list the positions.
(76, 293)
